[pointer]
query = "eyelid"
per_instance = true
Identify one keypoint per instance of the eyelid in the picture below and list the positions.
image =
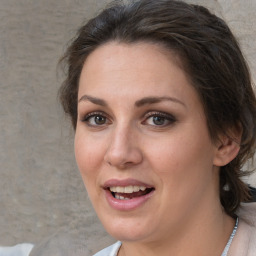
(169, 117)
(160, 113)
(86, 117)
(148, 114)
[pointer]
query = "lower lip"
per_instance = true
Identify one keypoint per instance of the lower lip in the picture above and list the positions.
(127, 205)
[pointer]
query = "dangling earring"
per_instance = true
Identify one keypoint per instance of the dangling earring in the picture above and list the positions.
(226, 187)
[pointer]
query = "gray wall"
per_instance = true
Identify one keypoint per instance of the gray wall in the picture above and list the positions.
(41, 192)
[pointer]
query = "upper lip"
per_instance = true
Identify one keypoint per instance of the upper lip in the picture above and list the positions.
(124, 183)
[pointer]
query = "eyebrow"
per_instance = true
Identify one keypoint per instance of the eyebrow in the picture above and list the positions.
(94, 100)
(153, 100)
(138, 103)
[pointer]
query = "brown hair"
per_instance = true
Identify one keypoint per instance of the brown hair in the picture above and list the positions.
(210, 55)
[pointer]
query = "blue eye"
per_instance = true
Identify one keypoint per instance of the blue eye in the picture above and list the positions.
(159, 119)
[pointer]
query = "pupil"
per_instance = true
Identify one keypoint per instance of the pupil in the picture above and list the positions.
(99, 120)
(158, 120)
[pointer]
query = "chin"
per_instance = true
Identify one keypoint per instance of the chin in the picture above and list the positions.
(127, 230)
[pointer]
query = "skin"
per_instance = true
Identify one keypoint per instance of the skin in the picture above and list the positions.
(176, 156)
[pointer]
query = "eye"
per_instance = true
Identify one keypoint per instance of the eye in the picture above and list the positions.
(95, 119)
(159, 119)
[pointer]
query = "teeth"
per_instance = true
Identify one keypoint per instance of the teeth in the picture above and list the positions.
(119, 190)
(112, 189)
(136, 188)
(142, 188)
(121, 197)
(127, 189)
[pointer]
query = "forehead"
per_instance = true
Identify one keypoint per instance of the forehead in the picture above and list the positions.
(116, 62)
(134, 70)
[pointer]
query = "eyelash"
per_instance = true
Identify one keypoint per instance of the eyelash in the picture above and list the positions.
(87, 117)
(168, 117)
(151, 114)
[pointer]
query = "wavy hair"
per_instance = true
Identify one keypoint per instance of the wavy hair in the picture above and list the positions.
(210, 56)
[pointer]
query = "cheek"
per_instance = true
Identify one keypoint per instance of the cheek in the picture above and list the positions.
(88, 160)
(185, 171)
(88, 155)
(182, 158)
(169, 153)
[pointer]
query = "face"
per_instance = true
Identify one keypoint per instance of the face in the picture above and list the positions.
(142, 144)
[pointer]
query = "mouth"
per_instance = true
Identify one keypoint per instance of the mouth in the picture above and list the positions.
(129, 192)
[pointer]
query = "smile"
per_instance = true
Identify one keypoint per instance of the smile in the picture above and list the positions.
(127, 195)
(129, 192)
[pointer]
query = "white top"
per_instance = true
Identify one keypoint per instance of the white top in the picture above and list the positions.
(112, 250)
(17, 250)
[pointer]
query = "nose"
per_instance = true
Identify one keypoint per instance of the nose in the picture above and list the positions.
(123, 150)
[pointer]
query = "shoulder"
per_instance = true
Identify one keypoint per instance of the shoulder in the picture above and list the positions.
(244, 242)
(112, 250)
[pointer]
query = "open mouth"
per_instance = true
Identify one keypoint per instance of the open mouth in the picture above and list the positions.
(129, 192)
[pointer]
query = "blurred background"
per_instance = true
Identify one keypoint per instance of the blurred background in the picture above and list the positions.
(42, 197)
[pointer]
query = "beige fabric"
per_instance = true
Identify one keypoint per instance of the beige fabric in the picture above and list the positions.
(244, 242)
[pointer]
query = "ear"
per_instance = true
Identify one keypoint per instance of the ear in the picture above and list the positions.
(227, 147)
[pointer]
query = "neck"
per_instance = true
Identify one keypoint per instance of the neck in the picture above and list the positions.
(206, 234)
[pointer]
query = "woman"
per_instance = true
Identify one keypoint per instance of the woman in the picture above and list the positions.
(161, 101)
